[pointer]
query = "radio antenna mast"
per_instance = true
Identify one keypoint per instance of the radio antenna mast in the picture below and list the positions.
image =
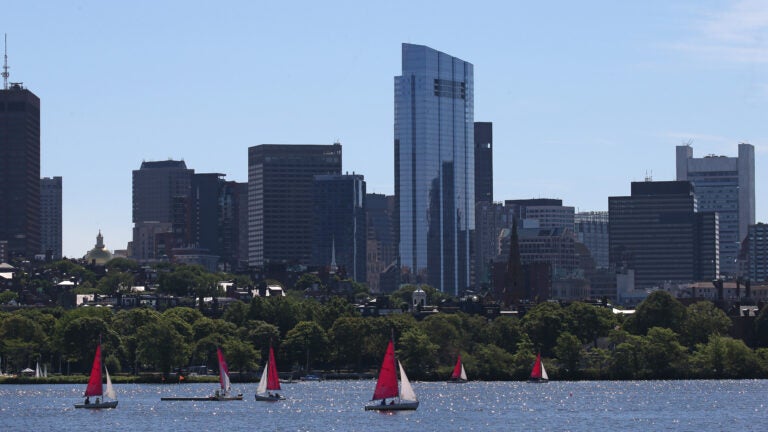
(5, 64)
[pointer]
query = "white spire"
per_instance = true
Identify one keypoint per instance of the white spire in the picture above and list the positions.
(5, 65)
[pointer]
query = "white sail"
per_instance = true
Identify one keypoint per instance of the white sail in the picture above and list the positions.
(110, 392)
(262, 388)
(543, 372)
(463, 375)
(45, 371)
(406, 391)
(38, 374)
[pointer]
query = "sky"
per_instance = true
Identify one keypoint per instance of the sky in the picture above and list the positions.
(585, 97)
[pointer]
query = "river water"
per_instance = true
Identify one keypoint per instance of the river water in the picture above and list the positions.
(338, 406)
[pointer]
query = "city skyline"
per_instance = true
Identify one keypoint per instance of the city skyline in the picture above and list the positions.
(584, 98)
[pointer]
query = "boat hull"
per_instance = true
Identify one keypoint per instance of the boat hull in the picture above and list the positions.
(100, 405)
(209, 398)
(402, 406)
(538, 380)
(263, 398)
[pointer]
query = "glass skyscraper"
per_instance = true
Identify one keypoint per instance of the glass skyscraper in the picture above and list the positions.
(434, 167)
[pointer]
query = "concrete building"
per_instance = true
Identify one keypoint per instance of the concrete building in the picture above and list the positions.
(51, 217)
(543, 213)
(658, 233)
(434, 167)
(340, 233)
(490, 220)
(280, 202)
(20, 171)
(725, 185)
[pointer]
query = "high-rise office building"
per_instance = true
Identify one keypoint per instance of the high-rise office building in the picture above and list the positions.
(381, 249)
(658, 233)
(339, 235)
(756, 245)
(50, 217)
(20, 171)
(725, 185)
(162, 204)
(592, 232)
(280, 204)
(542, 213)
(484, 162)
(434, 167)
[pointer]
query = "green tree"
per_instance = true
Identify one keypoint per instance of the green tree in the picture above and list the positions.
(78, 338)
(569, 351)
(491, 363)
(160, 345)
(418, 353)
(445, 331)
(725, 357)
(702, 320)
(22, 340)
(114, 282)
(241, 356)
(659, 309)
(347, 337)
(589, 322)
(504, 332)
(306, 343)
(664, 356)
(543, 324)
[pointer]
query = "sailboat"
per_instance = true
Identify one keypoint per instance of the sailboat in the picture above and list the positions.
(459, 375)
(223, 394)
(538, 374)
(386, 386)
(95, 388)
(38, 372)
(270, 380)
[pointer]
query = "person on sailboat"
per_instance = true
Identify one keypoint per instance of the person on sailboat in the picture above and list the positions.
(97, 401)
(87, 400)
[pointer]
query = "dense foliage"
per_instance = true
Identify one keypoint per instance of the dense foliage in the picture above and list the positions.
(663, 339)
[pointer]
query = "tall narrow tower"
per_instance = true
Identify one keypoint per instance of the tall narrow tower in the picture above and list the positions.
(434, 167)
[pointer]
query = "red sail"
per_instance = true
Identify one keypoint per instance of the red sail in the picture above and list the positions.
(223, 371)
(94, 383)
(457, 369)
(273, 378)
(386, 386)
(536, 372)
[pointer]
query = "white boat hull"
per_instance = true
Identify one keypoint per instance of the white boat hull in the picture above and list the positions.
(100, 405)
(401, 406)
(267, 398)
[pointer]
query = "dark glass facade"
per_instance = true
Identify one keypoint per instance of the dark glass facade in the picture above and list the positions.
(434, 167)
(484, 162)
(50, 217)
(339, 237)
(162, 199)
(280, 203)
(657, 232)
(20, 171)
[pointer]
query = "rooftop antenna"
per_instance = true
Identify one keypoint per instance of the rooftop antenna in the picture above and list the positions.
(5, 64)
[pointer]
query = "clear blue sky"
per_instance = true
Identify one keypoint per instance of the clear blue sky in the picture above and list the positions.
(585, 97)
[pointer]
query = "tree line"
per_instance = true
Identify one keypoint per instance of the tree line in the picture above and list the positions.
(663, 339)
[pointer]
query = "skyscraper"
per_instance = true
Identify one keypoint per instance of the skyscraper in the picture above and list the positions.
(20, 170)
(725, 185)
(162, 200)
(280, 182)
(50, 217)
(339, 238)
(484, 162)
(657, 233)
(434, 167)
